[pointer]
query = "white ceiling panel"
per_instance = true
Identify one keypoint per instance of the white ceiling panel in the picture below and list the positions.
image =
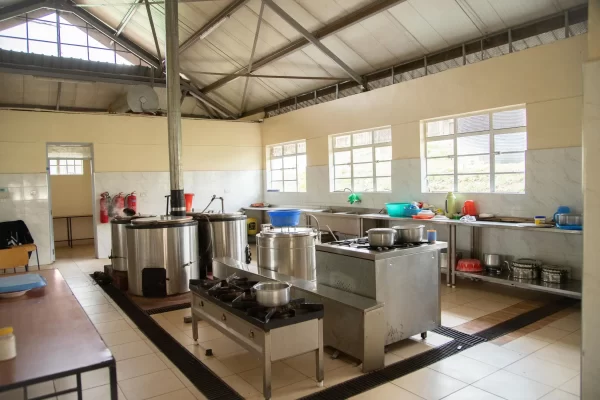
(447, 19)
(515, 12)
(418, 27)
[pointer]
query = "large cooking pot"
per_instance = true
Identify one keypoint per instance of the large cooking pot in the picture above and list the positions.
(272, 294)
(381, 237)
(289, 251)
(409, 233)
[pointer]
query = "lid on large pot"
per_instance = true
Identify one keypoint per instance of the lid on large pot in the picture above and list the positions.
(162, 219)
(236, 216)
(127, 220)
(408, 226)
(288, 232)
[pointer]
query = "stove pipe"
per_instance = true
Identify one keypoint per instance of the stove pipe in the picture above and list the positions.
(173, 107)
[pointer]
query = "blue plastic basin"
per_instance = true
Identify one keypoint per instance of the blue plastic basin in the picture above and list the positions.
(281, 218)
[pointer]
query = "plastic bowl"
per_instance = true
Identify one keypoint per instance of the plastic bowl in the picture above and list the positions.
(396, 209)
(282, 218)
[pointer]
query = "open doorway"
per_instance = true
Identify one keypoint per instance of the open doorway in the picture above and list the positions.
(70, 184)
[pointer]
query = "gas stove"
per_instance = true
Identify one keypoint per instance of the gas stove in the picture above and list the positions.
(363, 243)
(272, 333)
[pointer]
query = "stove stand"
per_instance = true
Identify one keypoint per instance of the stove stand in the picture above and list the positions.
(271, 334)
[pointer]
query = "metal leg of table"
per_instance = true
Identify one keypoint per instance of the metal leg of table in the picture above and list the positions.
(195, 328)
(267, 367)
(319, 356)
(112, 370)
(452, 255)
(70, 232)
(79, 388)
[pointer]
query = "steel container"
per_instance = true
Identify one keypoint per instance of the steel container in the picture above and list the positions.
(381, 237)
(492, 260)
(409, 233)
(289, 251)
(524, 269)
(555, 273)
(162, 255)
(221, 235)
(272, 294)
(118, 238)
(569, 219)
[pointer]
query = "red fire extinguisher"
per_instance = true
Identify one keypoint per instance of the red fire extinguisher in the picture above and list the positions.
(104, 200)
(131, 201)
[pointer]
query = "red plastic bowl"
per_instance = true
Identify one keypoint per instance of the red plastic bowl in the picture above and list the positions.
(469, 265)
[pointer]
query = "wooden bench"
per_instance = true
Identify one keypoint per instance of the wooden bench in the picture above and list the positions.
(18, 256)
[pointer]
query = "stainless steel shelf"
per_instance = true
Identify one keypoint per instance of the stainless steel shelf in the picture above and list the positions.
(572, 288)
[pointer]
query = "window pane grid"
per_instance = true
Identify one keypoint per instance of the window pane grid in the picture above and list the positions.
(486, 148)
(361, 161)
(286, 167)
(65, 166)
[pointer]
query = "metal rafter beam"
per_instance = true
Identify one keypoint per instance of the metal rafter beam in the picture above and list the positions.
(68, 6)
(336, 26)
(195, 92)
(316, 42)
(24, 7)
(128, 15)
(260, 16)
(226, 12)
(154, 36)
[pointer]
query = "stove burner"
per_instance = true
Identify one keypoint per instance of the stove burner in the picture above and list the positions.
(363, 243)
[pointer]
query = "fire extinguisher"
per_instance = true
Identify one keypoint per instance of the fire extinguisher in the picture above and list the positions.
(104, 200)
(131, 201)
(118, 203)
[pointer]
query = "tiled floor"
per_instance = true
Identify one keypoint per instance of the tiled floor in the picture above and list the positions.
(540, 361)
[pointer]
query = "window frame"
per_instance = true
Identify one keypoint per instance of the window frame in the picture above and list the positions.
(493, 133)
(269, 169)
(77, 162)
(373, 145)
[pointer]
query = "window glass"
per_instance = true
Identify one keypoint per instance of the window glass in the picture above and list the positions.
(286, 167)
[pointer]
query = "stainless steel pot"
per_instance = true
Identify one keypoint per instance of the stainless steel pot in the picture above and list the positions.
(492, 260)
(555, 273)
(289, 251)
(409, 233)
(524, 268)
(381, 237)
(272, 294)
(569, 219)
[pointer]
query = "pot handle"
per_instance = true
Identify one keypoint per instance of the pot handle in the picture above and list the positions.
(507, 263)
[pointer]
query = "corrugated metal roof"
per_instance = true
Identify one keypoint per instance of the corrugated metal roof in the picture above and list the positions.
(408, 30)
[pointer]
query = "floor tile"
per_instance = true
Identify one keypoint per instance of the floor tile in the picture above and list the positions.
(391, 358)
(240, 362)
(446, 305)
(388, 391)
(557, 394)
(186, 382)
(102, 308)
(433, 339)
(408, 348)
(489, 306)
(501, 298)
(40, 389)
(562, 354)
(512, 387)
(429, 384)
(566, 324)
(343, 374)
(105, 317)
(138, 366)
(463, 368)
(296, 390)
(466, 312)
(197, 393)
(93, 294)
(573, 386)
(182, 394)
(152, 346)
(244, 388)
(114, 326)
(306, 363)
(542, 371)
(281, 375)
(548, 334)
(93, 301)
(461, 297)
(222, 346)
(525, 345)
(206, 333)
(84, 289)
(166, 360)
(115, 338)
(572, 339)
(130, 350)
(451, 320)
(472, 393)
(197, 351)
(493, 355)
(151, 385)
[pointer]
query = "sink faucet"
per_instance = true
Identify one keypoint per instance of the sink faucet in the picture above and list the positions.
(318, 227)
(353, 198)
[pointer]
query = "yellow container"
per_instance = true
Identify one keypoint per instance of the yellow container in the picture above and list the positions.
(252, 225)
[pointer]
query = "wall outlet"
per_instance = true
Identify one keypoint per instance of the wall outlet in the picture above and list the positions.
(4, 194)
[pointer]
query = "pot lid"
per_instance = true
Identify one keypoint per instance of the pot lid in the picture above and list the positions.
(288, 232)
(126, 220)
(217, 216)
(381, 230)
(162, 219)
(555, 268)
(408, 226)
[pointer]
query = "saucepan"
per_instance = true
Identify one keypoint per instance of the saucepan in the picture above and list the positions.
(409, 233)
(381, 237)
(272, 294)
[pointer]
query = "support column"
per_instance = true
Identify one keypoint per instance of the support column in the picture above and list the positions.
(174, 107)
(590, 349)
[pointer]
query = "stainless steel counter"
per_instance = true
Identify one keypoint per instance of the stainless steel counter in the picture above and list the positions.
(352, 324)
(369, 254)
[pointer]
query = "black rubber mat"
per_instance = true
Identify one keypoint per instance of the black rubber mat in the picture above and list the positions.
(528, 318)
(165, 309)
(199, 374)
(459, 336)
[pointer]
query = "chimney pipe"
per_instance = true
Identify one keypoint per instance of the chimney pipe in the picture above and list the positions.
(174, 107)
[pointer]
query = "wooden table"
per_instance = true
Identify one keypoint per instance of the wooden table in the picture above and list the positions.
(55, 339)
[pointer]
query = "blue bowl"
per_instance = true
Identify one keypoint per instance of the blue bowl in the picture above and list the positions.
(281, 218)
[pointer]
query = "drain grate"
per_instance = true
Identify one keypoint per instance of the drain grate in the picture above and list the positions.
(164, 309)
(459, 336)
(203, 378)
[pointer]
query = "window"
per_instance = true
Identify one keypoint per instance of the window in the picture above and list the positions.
(361, 161)
(286, 167)
(66, 167)
(53, 35)
(480, 152)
